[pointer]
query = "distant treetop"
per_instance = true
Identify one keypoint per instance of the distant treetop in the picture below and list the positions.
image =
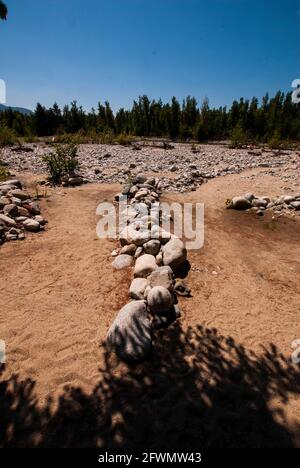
(3, 10)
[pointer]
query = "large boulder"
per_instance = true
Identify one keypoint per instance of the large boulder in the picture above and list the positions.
(160, 300)
(130, 335)
(144, 266)
(174, 253)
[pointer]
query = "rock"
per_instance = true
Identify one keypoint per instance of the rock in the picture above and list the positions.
(160, 300)
(138, 252)
(240, 203)
(128, 249)
(122, 261)
(75, 181)
(181, 288)
(41, 220)
(23, 212)
(4, 201)
(33, 208)
(130, 334)
(259, 203)
(174, 253)
(137, 288)
(15, 182)
(296, 205)
(249, 196)
(132, 235)
(144, 266)
(159, 259)
(162, 276)
(31, 225)
(152, 247)
(20, 194)
(7, 220)
(10, 210)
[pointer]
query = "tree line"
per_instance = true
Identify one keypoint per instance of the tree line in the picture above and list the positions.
(276, 117)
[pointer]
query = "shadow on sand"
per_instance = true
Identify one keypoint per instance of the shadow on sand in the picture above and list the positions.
(198, 389)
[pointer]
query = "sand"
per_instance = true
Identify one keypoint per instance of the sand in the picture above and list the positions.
(221, 376)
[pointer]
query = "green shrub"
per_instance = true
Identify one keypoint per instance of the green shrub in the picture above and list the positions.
(4, 174)
(62, 162)
(275, 141)
(124, 139)
(238, 137)
(7, 137)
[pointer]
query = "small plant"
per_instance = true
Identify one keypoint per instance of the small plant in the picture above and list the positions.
(7, 137)
(4, 174)
(124, 139)
(63, 162)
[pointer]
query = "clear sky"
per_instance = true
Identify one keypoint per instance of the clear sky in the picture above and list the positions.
(91, 50)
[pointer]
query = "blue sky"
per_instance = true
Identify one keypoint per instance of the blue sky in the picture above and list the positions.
(91, 50)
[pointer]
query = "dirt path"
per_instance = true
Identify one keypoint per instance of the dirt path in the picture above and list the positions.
(59, 295)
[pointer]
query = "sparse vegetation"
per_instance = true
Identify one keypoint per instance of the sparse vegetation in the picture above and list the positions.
(4, 174)
(62, 162)
(7, 136)
(238, 137)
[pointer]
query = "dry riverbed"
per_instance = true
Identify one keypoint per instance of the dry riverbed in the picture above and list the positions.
(222, 376)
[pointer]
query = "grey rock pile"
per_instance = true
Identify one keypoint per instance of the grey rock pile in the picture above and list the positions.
(18, 212)
(279, 205)
(181, 168)
(155, 256)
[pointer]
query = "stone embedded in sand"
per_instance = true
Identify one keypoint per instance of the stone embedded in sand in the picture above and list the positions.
(174, 253)
(14, 182)
(152, 247)
(31, 225)
(160, 300)
(144, 266)
(163, 276)
(137, 288)
(259, 203)
(240, 203)
(122, 261)
(130, 334)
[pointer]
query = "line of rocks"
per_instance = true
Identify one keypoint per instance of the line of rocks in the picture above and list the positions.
(157, 255)
(18, 212)
(282, 204)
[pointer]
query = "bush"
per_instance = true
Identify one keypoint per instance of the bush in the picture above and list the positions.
(124, 139)
(238, 137)
(275, 141)
(7, 137)
(63, 162)
(4, 174)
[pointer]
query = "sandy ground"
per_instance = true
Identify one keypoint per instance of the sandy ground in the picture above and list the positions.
(221, 376)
